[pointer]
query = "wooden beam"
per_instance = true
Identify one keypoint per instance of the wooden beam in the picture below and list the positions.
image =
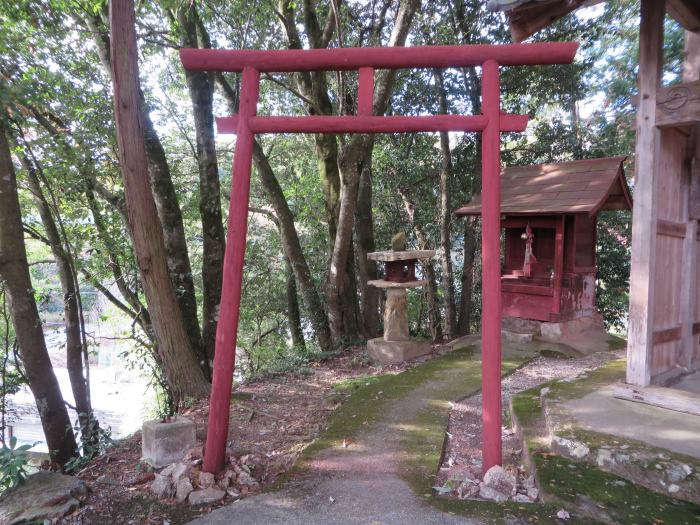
(645, 214)
(685, 12)
(353, 58)
(678, 105)
(671, 229)
(666, 336)
(669, 398)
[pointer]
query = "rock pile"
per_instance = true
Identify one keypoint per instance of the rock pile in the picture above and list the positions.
(498, 484)
(185, 481)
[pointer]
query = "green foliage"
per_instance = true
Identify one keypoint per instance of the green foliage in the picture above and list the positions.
(614, 253)
(94, 441)
(14, 461)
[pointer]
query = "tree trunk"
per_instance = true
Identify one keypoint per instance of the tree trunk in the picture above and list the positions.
(201, 88)
(431, 291)
(167, 206)
(466, 297)
(450, 318)
(292, 248)
(293, 314)
(364, 234)
(14, 270)
(351, 159)
(184, 375)
(75, 349)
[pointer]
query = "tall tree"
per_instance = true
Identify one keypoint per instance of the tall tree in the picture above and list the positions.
(76, 345)
(353, 155)
(183, 373)
(165, 195)
(450, 315)
(200, 85)
(14, 270)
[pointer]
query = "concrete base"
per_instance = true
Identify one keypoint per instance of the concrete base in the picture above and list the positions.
(165, 443)
(394, 352)
(601, 412)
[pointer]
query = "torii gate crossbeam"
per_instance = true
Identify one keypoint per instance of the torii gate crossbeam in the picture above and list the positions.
(365, 60)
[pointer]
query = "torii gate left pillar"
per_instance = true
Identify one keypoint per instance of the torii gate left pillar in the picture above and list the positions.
(366, 60)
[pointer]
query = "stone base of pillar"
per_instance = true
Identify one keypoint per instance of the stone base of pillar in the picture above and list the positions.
(394, 352)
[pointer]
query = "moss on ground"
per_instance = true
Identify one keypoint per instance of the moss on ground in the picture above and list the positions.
(445, 379)
(367, 396)
(623, 501)
(604, 495)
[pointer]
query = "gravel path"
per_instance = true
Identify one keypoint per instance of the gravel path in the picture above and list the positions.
(462, 458)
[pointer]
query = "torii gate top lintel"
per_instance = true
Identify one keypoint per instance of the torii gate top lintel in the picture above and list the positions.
(246, 124)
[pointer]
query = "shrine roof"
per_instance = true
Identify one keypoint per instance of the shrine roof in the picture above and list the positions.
(580, 186)
(527, 17)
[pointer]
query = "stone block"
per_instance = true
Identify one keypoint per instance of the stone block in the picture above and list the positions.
(394, 352)
(165, 443)
(517, 337)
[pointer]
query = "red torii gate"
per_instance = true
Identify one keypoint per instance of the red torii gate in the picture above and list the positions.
(490, 123)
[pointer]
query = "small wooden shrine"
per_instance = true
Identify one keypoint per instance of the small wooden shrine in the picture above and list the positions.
(549, 216)
(396, 345)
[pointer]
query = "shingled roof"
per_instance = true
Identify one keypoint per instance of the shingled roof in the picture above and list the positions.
(580, 186)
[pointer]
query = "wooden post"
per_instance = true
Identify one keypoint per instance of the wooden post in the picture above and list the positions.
(229, 309)
(491, 266)
(558, 264)
(644, 219)
(365, 91)
(691, 72)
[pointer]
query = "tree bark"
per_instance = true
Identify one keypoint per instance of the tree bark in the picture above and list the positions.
(201, 89)
(167, 205)
(75, 350)
(184, 375)
(364, 235)
(431, 291)
(14, 270)
(450, 318)
(466, 297)
(293, 314)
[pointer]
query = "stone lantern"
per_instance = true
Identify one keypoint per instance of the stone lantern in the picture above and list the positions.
(400, 274)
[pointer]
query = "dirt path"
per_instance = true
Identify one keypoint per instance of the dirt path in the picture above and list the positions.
(367, 480)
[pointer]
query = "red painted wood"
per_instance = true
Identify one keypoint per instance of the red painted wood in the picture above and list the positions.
(527, 306)
(401, 271)
(370, 124)
(246, 124)
(365, 91)
(491, 266)
(290, 60)
(229, 308)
